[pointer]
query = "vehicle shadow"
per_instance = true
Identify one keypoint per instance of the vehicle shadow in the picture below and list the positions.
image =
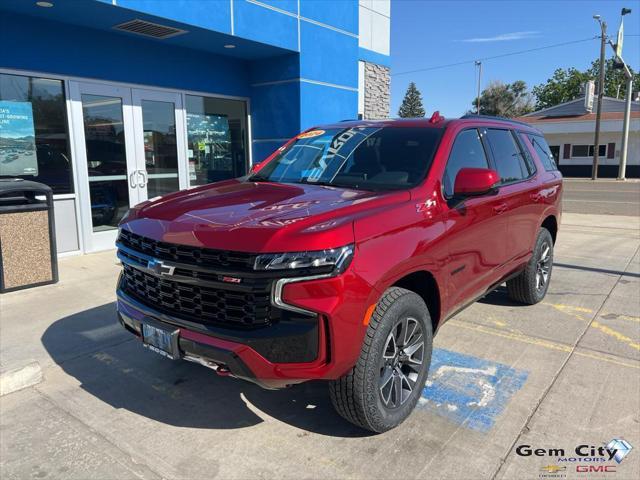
(500, 297)
(113, 366)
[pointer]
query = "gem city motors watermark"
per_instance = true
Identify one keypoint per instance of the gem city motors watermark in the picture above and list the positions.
(616, 450)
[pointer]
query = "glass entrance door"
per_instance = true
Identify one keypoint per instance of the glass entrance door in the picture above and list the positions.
(106, 160)
(160, 146)
(130, 147)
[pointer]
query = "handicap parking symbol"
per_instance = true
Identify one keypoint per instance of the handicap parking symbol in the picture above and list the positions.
(469, 390)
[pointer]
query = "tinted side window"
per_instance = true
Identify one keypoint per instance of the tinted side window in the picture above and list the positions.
(467, 152)
(543, 151)
(507, 155)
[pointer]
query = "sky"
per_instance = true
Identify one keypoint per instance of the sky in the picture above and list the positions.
(431, 33)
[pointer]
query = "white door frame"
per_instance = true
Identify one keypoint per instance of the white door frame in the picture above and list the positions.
(94, 241)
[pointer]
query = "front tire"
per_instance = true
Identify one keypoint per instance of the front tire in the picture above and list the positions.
(382, 389)
(531, 286)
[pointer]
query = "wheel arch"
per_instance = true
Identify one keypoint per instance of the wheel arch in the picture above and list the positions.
(424, 283)
(551, 224)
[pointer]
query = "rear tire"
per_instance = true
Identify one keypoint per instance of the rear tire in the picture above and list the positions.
(384, 386)
(531, 286)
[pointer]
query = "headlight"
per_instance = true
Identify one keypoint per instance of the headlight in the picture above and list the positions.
(319, 260)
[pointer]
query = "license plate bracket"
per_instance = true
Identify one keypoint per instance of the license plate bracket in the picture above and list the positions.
(160, 339)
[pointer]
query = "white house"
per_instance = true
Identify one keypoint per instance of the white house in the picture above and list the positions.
(569, 128)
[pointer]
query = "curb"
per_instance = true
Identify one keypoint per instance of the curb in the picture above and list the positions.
(19, 378)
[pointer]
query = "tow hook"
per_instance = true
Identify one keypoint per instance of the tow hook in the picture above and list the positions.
(220, 369)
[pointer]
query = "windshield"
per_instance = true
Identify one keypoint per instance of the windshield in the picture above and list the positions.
(365, 158)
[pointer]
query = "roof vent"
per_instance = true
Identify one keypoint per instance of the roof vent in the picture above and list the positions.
(149, 29)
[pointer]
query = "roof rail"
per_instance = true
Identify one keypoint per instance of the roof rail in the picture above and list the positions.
(493, 117)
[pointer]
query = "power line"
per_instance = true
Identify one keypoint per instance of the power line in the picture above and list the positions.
(465, 62)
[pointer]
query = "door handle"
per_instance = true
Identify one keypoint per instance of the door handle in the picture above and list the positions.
(143, 174)
(132, 182)
(498, 209)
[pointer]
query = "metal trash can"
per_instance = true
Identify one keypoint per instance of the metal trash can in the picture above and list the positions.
(27, 235)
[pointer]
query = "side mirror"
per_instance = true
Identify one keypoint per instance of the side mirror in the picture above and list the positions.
(474, 182)
(255, 168)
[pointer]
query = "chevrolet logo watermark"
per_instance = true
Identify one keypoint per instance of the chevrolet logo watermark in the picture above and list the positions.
(160, 268)
(553, 469)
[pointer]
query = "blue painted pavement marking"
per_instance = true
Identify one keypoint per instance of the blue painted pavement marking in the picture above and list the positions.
(469, 390)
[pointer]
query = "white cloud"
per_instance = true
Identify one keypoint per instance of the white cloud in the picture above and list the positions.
(503, 37)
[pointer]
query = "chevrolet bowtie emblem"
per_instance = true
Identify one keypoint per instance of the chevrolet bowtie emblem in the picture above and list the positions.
(159, 267)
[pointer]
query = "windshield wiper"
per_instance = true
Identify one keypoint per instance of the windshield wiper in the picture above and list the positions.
(258, 178)
(338, 185)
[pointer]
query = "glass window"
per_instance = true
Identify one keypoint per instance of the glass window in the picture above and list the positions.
(366, 158)
(467, 152)
(508, 158)
(580, 150)
(543, 151)
(217, 139)
(34, 139)
(160, 147)
(587, 150)
(602, 150)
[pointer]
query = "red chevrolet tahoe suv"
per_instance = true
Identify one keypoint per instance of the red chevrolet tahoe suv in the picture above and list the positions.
(339, 256)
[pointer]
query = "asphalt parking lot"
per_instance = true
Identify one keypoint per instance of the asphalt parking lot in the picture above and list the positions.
(557, 375)
(604, 196)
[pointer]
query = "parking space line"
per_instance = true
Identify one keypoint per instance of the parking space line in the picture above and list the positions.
(548, 344)
(621, 337)
(618, 316)
(615, 334)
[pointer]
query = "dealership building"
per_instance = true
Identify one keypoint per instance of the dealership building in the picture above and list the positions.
(113, 102)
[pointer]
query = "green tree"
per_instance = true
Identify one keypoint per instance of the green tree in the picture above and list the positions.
(563, 86)
(411, 103)
(505, 99)
(613, 78)
(566, 84)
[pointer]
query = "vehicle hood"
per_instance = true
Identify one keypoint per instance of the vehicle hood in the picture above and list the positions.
(257, 216)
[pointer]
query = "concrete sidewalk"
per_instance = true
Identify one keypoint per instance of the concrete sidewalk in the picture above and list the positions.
(556, 375)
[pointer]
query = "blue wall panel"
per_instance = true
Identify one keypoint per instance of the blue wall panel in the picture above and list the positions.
(212, 14)
(275, 110)
(328, 56)
(374, 57)
(321, 104)
(265, 25)
(341, 14)
(290, 6)
(262, 150)
(282, 67)
(53, 47)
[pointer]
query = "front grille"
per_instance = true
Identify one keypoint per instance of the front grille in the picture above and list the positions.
(202, 257)
(201, 304)
(196, 290)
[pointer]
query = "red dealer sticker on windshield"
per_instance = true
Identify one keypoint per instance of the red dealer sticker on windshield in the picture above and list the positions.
(311, 134)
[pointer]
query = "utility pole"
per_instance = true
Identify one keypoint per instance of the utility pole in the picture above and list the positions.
(620, 63)
(596, 142)
(479, 65)
(622, 172)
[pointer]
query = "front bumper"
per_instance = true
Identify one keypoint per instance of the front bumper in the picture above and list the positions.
(294, 350)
